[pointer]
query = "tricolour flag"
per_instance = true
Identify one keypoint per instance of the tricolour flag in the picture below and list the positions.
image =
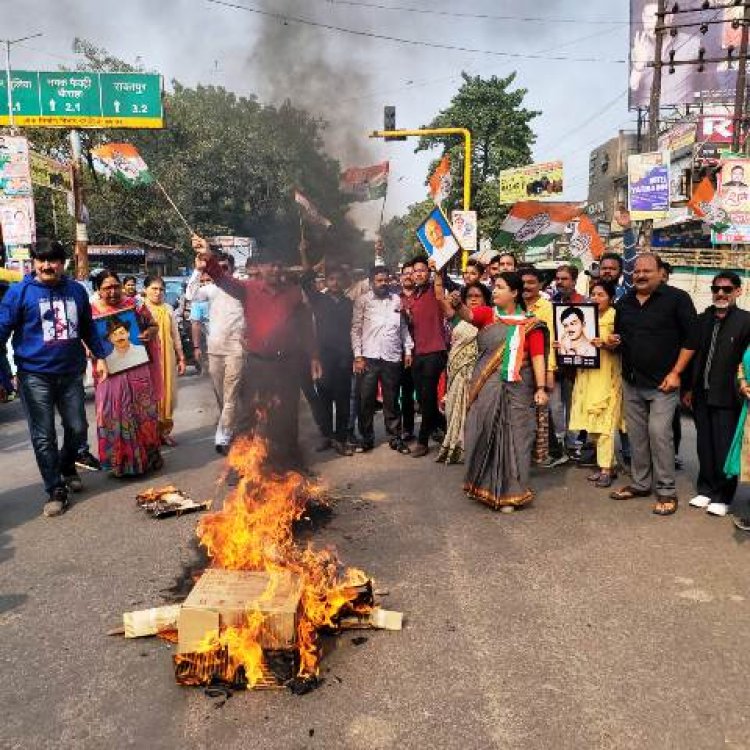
(706, 204)
(365, 183)
(586, 242)
(536, 224)
(310, 210)
(441, 181)
(121, 161)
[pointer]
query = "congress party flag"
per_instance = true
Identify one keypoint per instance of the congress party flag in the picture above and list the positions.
(586, 242)
(536, 224)
(121, 161)
(310, 210)
(441, 181)
(365, 183)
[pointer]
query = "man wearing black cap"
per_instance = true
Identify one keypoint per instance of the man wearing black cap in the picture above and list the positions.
(279, 337)
(49, 317)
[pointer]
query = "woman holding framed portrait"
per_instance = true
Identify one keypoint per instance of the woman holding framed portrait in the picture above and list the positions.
(127, 419)
(596, 404)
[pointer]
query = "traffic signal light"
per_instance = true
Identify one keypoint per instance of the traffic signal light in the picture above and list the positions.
(389, 123)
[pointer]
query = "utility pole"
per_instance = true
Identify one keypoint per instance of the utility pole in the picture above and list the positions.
(740, 94)
(81, 235)
(655, 99)
(8, 78)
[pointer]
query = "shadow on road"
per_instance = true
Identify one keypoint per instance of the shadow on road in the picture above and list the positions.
(11, 601)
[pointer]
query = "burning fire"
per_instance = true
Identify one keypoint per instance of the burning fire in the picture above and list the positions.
(253, 532)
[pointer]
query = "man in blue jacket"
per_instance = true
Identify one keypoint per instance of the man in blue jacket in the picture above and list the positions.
(49, 317)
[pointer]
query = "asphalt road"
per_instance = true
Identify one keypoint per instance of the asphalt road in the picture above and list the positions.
(576, 623)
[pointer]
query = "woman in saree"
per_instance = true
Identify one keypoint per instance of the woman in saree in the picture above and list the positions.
(597, 394)
(172, 357)
(508, 382)
(462, 357)
(738, 458)
(127, 419)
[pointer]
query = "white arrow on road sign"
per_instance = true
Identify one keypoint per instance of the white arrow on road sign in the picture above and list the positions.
(117, 106)
(52, 105)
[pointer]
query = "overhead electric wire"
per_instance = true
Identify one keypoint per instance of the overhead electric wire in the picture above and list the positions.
(475, 16)
(412, 42)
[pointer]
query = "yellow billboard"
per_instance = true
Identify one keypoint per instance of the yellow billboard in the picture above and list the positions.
(532, 181)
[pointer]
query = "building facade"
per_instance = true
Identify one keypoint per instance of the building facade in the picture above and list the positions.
(608, 175)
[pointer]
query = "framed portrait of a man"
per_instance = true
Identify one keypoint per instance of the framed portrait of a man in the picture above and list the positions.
(119, 335)
(436, 235)
(576, 327)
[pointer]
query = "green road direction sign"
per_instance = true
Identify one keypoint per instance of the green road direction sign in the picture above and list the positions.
(83, 99)
(25, 94)
(131, 95)
(69, 95)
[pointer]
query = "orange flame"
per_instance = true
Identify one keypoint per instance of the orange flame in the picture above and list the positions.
(253, 532)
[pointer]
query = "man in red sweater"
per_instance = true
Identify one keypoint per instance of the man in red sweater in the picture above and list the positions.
(279, 338)
(426, 321)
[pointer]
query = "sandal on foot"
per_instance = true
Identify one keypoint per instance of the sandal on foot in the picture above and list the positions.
(628, 492)
(604, 481)
(594, 477)
(665, 506)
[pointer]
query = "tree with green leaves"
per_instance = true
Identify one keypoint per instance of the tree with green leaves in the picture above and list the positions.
(230, 163)
(493, 110)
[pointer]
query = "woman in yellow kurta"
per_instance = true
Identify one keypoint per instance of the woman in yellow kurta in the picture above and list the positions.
(172, 357)
(597, 394)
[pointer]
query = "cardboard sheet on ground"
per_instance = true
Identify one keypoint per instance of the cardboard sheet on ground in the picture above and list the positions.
(437, 238)
(168, 501)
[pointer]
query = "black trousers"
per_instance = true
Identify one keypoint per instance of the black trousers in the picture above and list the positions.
(426, 371)
(388, 374)
(406, 399)
(714, 429)
(312, 396)
(334, 391)
(271, 395)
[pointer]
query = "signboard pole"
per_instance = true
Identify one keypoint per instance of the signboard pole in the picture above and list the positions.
(655, 100)
(10, 87)
(81, 236)
(740, 126)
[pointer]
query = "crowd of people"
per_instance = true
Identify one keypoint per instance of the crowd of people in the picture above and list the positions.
(478, 359)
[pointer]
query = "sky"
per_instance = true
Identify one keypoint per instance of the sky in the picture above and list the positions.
(261, 48)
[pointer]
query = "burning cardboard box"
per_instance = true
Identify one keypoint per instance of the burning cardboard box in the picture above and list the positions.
(223, 599)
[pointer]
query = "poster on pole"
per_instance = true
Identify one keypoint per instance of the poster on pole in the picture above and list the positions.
(437, 237)
(465, 228)
(714, 81)
(17, 222)
(648, 185)
(734, 196)
(532, 181)
(15, 172)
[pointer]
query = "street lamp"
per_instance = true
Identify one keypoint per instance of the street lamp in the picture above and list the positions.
(8, 43)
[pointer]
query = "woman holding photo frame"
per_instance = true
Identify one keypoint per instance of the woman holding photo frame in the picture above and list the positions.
(596, 404)
(127, 418)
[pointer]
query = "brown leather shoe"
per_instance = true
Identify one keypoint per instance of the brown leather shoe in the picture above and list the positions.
(420, 451)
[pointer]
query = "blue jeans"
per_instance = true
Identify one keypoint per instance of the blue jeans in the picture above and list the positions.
(41, 394)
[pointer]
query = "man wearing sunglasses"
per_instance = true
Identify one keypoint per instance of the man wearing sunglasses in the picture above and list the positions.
(724, 335)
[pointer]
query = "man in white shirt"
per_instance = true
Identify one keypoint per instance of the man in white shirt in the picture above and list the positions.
(381, 342)
(226, 354)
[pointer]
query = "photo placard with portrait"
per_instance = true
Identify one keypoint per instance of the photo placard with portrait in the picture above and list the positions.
(436, 235)
(576, 326)
(118, 333)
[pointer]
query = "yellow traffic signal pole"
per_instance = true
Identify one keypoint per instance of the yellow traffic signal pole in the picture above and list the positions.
(465, 133)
